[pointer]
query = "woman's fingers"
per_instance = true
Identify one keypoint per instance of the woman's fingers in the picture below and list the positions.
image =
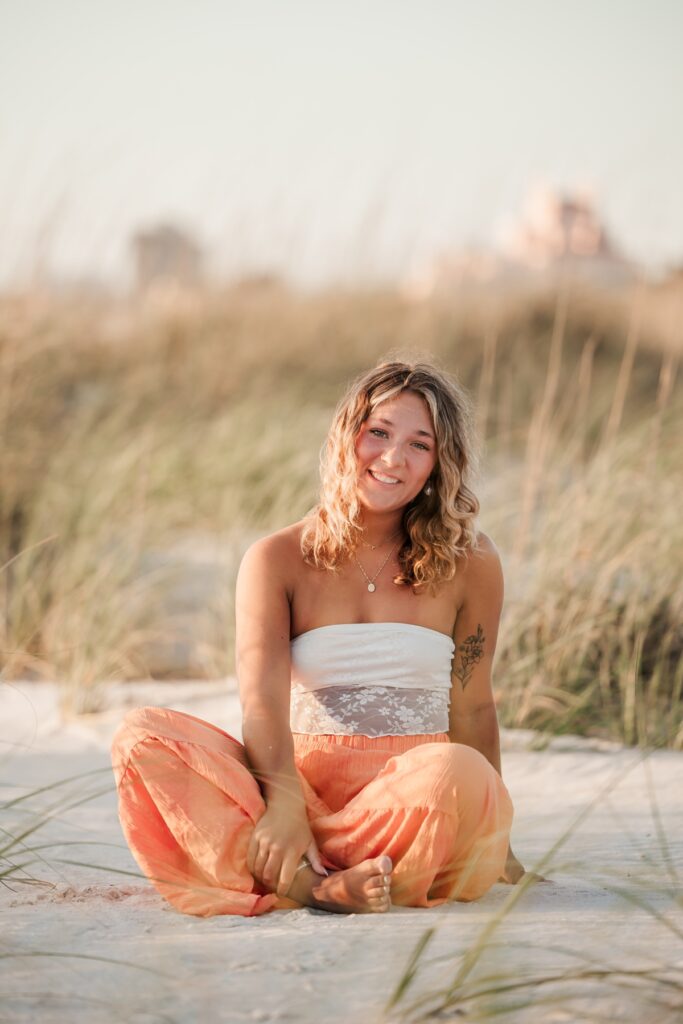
(252, 852)
(313, 855)
(288, 869)
(260, 863)
(270, 873)
(273, 858)
(260, 852)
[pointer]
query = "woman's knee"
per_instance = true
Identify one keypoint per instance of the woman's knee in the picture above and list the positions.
(146, 723)
(137, 726)
(452, 757)
(466, 758)
(145, 719)
(457, 776)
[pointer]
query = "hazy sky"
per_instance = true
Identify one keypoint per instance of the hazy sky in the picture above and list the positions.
(323, 137)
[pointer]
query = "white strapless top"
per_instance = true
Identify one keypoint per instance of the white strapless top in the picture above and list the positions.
(371, 679)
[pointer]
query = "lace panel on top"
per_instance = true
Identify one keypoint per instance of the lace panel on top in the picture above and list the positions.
(369, 711)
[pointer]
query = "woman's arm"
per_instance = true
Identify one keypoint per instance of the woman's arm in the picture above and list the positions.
(262, 611)
(473, 718)
(262, 622)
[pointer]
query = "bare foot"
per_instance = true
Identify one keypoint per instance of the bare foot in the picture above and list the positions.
(362, 889)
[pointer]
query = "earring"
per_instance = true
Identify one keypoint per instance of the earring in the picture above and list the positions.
(428, 489)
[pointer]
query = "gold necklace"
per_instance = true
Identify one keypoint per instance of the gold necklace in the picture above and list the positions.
(371, 580)
(367, 544)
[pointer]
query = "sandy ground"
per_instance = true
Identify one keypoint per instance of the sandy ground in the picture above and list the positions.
(95, 943)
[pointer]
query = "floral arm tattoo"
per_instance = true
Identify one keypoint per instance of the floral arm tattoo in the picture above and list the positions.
(471, 653)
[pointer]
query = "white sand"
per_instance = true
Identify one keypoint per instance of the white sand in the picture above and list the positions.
(307, 966)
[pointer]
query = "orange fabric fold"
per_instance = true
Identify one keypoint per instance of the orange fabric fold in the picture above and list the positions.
(188, 804)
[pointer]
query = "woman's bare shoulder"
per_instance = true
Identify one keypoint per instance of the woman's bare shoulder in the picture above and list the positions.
(485, 546)
(482, 564)
(280, 550)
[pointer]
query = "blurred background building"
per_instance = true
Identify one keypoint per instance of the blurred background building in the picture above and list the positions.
(166, 255)
(557, 233)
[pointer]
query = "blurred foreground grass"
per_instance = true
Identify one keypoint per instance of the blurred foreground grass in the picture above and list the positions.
(600, 940)
(484, 983)
(141, 438)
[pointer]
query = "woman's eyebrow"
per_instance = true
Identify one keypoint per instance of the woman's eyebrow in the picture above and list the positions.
(423, 433)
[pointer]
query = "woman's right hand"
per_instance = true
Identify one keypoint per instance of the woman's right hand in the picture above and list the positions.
(280, 839)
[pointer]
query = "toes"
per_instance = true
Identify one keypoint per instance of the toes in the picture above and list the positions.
(378, 889)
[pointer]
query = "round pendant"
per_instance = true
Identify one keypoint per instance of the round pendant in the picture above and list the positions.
(371, 587)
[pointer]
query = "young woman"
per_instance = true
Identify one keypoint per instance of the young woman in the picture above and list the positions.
(370, 768)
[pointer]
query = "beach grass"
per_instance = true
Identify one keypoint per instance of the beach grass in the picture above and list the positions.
(138, 433)
(489, 981)
(486, 979)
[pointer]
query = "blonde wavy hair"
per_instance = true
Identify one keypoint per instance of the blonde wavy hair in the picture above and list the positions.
(440, 525)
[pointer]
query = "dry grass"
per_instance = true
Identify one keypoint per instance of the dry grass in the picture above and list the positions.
(129, 428)
(484, 985)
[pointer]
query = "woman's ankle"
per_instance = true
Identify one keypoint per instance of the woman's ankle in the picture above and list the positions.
(302, 888)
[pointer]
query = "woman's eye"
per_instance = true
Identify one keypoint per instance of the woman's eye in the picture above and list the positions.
(378, 430)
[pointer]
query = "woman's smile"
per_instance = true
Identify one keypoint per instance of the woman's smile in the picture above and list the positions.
(382, 478)
(396, 450)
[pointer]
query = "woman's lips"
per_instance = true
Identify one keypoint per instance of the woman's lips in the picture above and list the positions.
(383, 483)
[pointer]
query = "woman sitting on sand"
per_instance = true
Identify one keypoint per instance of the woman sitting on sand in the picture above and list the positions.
(370, 770)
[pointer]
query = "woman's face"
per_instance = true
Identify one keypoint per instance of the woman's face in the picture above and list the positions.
(395, 451)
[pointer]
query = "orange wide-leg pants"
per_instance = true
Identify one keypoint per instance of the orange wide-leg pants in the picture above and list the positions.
(188, 804)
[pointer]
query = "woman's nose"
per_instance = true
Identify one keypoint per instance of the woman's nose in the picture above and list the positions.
(393, 456)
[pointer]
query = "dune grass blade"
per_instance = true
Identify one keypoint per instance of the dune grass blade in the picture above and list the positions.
(484, 990)
(493, 945)
(651, 984)
(472, 955)
(637, 978)
(101, 867)
(12, 869)
(10, 872)
(16, 954)
(74, 842)
(411, 968)
(631, 897)
(662, 838)
(125, 1013)
(16, 840)
(7, 804)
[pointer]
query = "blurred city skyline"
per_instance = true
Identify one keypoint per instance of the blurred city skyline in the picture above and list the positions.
(329, 141)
